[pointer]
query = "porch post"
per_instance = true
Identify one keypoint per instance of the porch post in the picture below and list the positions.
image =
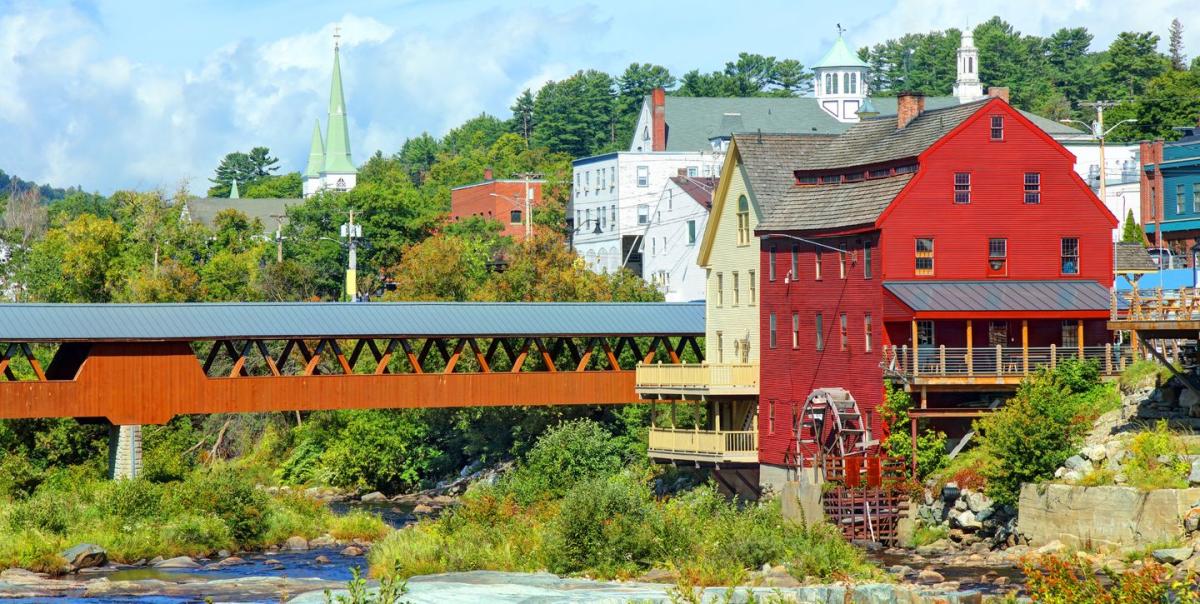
(1025, 346)
(923, 393)
(970, 358)
(716, 416)
(1079, 336)
(916, 350)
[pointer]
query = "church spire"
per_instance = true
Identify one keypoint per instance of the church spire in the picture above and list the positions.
(337, 140)
(316, 153)
(967, 86)
(233, 191)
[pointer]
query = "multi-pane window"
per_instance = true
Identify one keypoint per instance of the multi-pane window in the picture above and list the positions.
(867, 261)
(736, 289)
(842, 265)
(771, 416)
(691, 232)
(962, 187)
(997, 127)
(720, 290)
(643, 176)
(831, 179)
(924, 259)
(693, 171)
(925, 333)
(753, 288)
(1195, 195)
(880, 173)
(720, 347)
(774, 342)
(1178, 199)
(795, 261)
(819, 325)
(844, 331)
(1070, 334)
(795, 330)
(997, 256)
(997, 333)
(743, 221)
(613, 216)
(514, 217)
(867, 332)
(1033, 187)
(1070, 256)
(643, 211)
(771, 263)
(817, 255)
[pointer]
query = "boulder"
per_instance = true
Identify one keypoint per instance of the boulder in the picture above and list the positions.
(977, 502)
(967, 521)
(296, 544)
(1052, 547)
(1072, 476)
(1078, 464)
(422, 508)
(85, 555)
(178, 562)
(1059, 473)
(352, 551)
(231, 561)
(930, 576)
(1172, 555)
(374, 496)
(1188, 399)
(322, 541)
(1194, 475)
(223, 553)
(901, 570)
(321, 560)
(1095, 452)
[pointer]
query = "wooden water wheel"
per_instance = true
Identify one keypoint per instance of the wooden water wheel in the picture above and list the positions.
(830, 424)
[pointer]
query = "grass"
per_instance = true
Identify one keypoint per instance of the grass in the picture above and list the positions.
(1144, 553)
(924, 535)
(207, 511)
(1154, 461)
(965, 470)
(1141, 374)
(614, 528)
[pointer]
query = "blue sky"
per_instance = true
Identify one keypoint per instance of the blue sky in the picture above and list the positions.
(123, 94)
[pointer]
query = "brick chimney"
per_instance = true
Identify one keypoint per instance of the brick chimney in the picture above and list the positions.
(658, 120)
(681, 173)
(487, 174)
(998, 92)
(908, 106)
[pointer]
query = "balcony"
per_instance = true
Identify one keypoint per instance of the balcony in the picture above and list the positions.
(698, 379)
(681, 444)
(993, 366)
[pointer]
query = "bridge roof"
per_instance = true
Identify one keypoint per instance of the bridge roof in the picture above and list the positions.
(134, 322)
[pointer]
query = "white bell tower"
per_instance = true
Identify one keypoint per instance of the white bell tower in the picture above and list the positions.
(967, 87)
(841, 81)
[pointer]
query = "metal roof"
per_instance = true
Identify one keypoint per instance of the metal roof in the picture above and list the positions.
(985, 296)
(128, 322)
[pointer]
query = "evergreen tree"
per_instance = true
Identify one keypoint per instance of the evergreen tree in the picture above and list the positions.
(1175, 46)
(1131, 62)
(1132, 231)
(245, 168)
(522, 115)
(576, 116)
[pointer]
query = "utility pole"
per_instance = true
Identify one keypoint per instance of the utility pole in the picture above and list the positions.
(351, 232)
(278, 236)
(526, 176)
(1100, 134)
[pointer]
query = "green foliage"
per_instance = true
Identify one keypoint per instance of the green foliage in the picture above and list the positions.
(1142, 373)
(924, 535)
(931, 445)
(1039, 428)
(391, 588)
(1132, 231)
(167, 451)
(750, 75)
(246, 168)
(1055, 580)
(608, 524)
(575, 116)
(1156, 460)
(282, 186)
(229, 496)
(565, 455)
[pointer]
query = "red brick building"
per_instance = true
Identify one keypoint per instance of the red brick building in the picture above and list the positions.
(501, 200)
(952, 251)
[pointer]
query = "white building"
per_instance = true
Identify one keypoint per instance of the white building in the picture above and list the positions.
(614, 198)
(967, 87)
(329, 164)
(672, 241)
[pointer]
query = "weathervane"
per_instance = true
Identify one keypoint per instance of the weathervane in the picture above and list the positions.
(337, 33)
(841, 30)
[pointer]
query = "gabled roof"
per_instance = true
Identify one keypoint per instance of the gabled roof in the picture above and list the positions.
(877, 140)
(999, 296)
(840, 206)
(700, 189)
(1132, 258)
(205, 209)
(693, 121)
(767, 161)
(840, 55)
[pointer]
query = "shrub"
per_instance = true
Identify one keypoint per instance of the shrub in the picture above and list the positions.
(1143, 468)
(294, 514)
(229, 496)
(359, 525)
(565, 455)
(1054, 580)
(132, 500)
(18, 476)
(607, 524)
(376, 449)
(1036, 431)
(1142, 374)
(164, 450)
(931, 445)
(925, 534)
(199, 534)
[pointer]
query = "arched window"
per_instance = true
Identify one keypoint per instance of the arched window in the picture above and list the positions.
(835, 84)
(846, 82)
(743, 220)
(854, 83)
(341, 184)
(970, 64)
(828, 86)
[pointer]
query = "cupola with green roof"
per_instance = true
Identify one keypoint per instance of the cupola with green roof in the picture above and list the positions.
(840, 82)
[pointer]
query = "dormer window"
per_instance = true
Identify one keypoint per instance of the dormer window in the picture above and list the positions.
(831, 179)
(807, 180)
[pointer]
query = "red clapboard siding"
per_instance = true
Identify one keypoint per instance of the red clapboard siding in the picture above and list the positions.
(788, 375)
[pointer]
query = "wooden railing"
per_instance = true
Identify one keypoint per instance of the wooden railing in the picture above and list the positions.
(701, 376)
(1157, 305)
(714, 443)
(997, 361)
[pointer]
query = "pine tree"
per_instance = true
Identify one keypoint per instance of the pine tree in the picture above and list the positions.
(1178, 59)
(522, 115)
(1132, 232)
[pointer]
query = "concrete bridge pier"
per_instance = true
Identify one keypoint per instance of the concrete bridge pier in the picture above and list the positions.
(124, 451)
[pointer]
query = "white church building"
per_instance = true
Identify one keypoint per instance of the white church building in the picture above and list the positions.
(329, 165)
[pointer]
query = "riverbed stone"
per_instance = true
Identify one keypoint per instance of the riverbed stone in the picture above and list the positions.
(352, 551)
(422, 508)
(1172, 555)
(967, 521)
(296, 544)
(1078, 464)
(178, 562)
(1194, 475)
(373, 496)
(929, 575)
(231, 561)
(322, 542)
(977, 502)
(84, 555)
(321, 560)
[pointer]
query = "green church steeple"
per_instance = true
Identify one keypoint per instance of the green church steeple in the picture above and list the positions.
(233, 191)
(316, 154)
(337, 141)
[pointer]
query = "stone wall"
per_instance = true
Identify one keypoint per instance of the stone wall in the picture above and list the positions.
(1107, 516)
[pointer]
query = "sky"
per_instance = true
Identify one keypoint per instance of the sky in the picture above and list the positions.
(108, 94)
